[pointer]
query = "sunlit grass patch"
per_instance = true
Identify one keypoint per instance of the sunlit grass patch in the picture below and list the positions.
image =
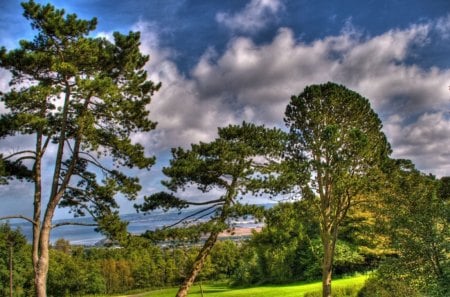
(291, 290)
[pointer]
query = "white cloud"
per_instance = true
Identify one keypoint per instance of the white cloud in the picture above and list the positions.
(256, 15)
(184, 116)
(254, 83)
(443, 26)
(425, 141)
(5, 78)
(263, 78)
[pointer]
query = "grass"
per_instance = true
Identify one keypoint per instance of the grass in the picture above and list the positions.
(291, 290)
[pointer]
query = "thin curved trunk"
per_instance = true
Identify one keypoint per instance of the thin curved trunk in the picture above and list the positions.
(41, 231)
(198, 264)
(11, 270)
(209, 243)
(37, 213)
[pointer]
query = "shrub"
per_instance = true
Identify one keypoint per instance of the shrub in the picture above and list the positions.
(348, 291)
(375, 287)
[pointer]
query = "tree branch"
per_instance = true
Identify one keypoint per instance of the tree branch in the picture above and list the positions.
(192, 215)
(24, 158)
(74, 224)
(21, 152)
(44, 147)
(18, 217)
(217, 201)
(94, 162)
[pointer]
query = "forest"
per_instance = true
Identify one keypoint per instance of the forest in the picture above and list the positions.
(347, 207)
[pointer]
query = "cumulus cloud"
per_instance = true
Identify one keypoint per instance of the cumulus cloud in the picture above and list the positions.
(16, 194)
(254, 83)
(255, 16)
(426, 141)
(184, 116)
(262, 78)
(443, 26)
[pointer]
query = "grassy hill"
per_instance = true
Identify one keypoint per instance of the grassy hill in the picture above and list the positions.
(290, 290)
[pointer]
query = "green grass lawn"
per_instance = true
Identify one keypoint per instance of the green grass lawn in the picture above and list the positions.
(291, 290)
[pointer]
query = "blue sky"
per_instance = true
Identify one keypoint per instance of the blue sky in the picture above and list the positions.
(223, 62)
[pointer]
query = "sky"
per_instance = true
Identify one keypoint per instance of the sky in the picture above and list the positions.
(223, 62)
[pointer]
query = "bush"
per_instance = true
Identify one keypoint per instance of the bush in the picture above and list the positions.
(349, 291)
(375, 287)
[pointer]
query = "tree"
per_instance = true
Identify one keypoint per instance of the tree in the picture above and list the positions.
(338, 137)
(241, 160)
(12, 243)
(80, 99)
(415, 216)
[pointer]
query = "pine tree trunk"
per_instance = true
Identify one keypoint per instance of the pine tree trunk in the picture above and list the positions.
(41, 270)
(329, 238)
(327, 267)
(11, 270)
(198, 264)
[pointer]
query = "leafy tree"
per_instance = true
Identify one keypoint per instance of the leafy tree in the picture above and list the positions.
(66, 276)
(80, 99)
(224, 257)
(13, 264)
(415, 218)
(62, 245)
(338, 138)
(288, 247)
(286, 228)
(240, 161)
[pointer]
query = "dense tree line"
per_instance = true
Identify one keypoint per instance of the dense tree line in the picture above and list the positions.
(408, 250)
(78, 270)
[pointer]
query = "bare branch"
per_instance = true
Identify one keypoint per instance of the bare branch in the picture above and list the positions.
(95, 163)
(18, 217)
(74, 224)
(24, 158)
(193, 215)
(94, 159)
(44, 147)
(21, 152)
(218, 201)
(205, 215)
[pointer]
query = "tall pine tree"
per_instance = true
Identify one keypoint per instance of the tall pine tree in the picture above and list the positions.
(243, 159)
(80, 98)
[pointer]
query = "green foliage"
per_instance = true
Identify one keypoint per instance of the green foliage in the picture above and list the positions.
(104, 270)
(80, 99)
(415, 217)
(337, 134)
(66, 276)
(13, 243)
(376, 287)
(224, 258)
(243, 159)
(76, 271)
(89, 92)
(349, 291)
(291, 290)
(10, 170)
(337, 137)
(288, 249)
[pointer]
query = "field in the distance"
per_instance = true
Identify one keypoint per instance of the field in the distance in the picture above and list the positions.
(290, 290)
